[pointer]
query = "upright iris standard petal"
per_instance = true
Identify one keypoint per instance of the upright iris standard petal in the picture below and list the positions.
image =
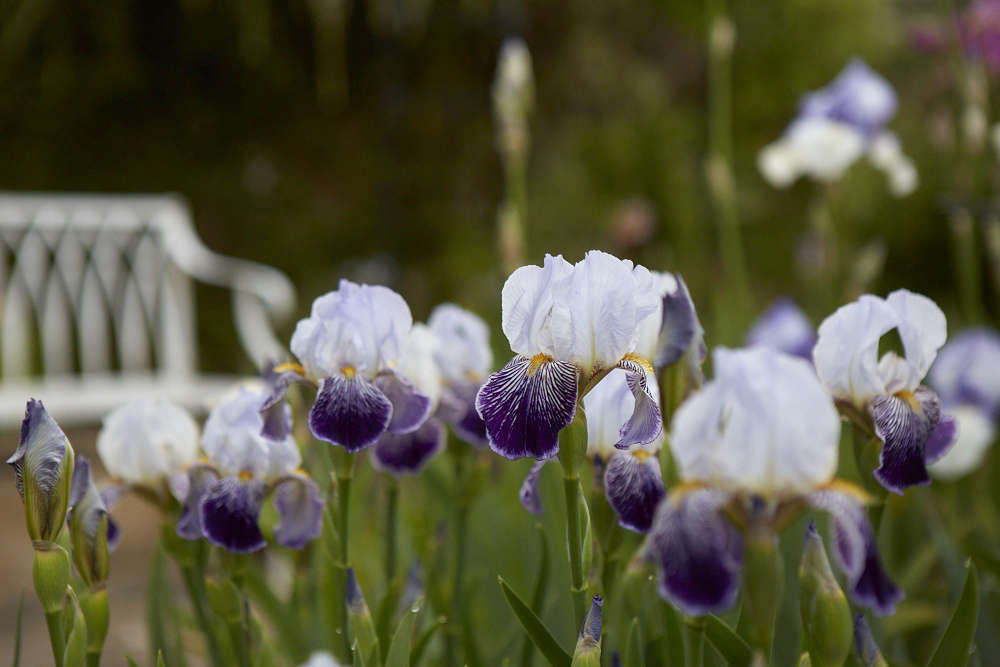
(699, 552)
(229, 511)
(200, 478)
(525, 404)
(857, 552)
(464, 354)
(350, 412)
(645, 424)
(530, 497)
(145, 441)
(680, 331)
(784, 327)
(634, 488)
(409, 452)
(409, 406)
(300, 507)
(526, 305)
(43, 472)
(905, 423)
(858, 96)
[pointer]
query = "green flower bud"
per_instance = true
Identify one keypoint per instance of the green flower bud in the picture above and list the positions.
(88, 528)
(224, 598)
(360, 620)
(763, 576)
(826, 615)
(51, 576)
(43, 472)
(588, 645)
(75, 625)
(95, 611)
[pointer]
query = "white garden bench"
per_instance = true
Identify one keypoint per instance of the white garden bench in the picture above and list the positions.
(97, 304)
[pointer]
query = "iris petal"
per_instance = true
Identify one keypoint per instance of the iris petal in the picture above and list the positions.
(529, 496)
(401, 453)
(634, 488)
(857, 552)
(300, 507)
(941, 439)
(409, 407)
(679, 328)
(229, 511)
(905, 432)
(645, 423)
(350, 412)
(699, 552)
(200, 478)
(525, 405)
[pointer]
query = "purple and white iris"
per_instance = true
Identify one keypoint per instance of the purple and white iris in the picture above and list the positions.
(752, 447)
(569, 326)
(351, 345)
(464, 359)
(835, 127)
(884, 395)
(247, 465)
(632, 481)
(784, 327)
(966, 376)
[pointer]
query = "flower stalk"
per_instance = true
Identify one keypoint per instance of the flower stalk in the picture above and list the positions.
(762, 588)
(572, 450)
(50, 573)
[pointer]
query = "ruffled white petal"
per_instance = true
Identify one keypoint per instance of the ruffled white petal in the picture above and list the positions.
(823, 149)
(976, 432)
(144, 441)
(846, 352)
(526, 303)
(418, 362)
(464, 354)
(361, 326)
(922, 328)
(763, 425)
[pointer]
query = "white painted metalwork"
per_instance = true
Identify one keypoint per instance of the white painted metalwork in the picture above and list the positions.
(97, 303)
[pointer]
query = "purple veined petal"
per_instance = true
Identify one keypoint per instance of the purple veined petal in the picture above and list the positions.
(409, 407)
(679, 328)
(408, 453)
(525, 404)
(634, 488)
(200, 478)
(276, 413)
(645, 424)
(530, 498)
(229, 511)
(300, 508)
(458, 408)
(699, 552)
(941, 439)
(350, 412)
(904, 422)
(857, 552)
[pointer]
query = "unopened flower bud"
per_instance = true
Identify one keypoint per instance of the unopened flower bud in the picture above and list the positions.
(88, 528)
(588, 645)
(75, 653)
(43, 470)
(826, 615)
(51, 575)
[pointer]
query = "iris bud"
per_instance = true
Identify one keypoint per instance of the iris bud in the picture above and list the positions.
(826, 615)
(88, 528)
(43, 470)
(75, 654)
(588, 646)
(360, 620)
(51, 576)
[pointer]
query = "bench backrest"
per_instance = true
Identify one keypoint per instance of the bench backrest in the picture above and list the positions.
(93, 285)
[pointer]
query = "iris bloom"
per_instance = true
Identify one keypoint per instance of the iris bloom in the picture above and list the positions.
(250, 458)
(754, 447)
(883, 395)
(464, 359)
(43, 472)
(401, 453)
(351, 345)
(966, 376)
(633, 484)
(784, 327)
(569, 326)
(835, 127)
(147, 444)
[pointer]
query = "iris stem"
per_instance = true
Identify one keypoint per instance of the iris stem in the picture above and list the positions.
(459, 452)
(343, 466)
(694, 636)
(571, 488)
(54, 621)
(194, 582)
(239, 634)
(965, 258)
(391, 527)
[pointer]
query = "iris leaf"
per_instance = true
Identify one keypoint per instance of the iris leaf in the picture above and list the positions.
(634, 655)
(538, 597)
(953, 649)
(730, 645)
(17, 633)
(417, 652)
(540, 635)
(398, 654)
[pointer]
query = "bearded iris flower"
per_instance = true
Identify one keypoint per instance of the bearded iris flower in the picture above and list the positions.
(754, 447)
(246, 465)
(569, 326)
(966, 376)
(350, 345)
(835, 127)
(883, 395)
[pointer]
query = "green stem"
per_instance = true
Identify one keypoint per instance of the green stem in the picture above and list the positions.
(93, 659)
(343, 465)
(56, 638)
(459, 453)
(194, 582)
(344, 516)
(391, 526)
(277, 612)
(694, 639)
(239, 634)
(966, 264)
(571, 488)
